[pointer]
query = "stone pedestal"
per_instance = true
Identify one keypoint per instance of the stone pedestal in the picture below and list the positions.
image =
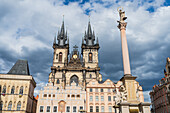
(124, 107)
(145, 107)
(129, 82)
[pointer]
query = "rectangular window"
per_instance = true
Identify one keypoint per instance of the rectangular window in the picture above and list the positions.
(96, 89)
(48, 108)
(101, 90)
(91, 98)
(114, 97)
(110, 108)
(81, 108)
(74, 109)
(41, 108)
(102, 98)
(68, 108)
(97, 98)
(102, 108)
(97, 108)
(91, 108)
(108, 90)
(55, 109)
(109, 98)
(91, 90)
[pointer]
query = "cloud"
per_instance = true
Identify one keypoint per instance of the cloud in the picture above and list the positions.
(28, 28)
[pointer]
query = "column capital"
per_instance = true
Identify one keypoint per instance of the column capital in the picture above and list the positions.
(122, 25)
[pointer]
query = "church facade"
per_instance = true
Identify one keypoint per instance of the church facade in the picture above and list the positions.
(75, 84)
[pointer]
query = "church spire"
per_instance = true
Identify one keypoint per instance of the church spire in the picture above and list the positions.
(89, 37)
(62, 35)
(89, 31)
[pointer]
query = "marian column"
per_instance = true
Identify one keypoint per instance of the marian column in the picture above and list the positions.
(128, 80)
(125, 53)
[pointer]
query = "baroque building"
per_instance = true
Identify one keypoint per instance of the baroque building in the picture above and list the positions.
(160, 94)
(17, 90)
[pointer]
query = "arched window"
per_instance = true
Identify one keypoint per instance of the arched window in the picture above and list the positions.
(60, 57)
(21, 90)
(58, 81)
(12, 90)
(4, 89)
(10, 105)
(1, 105)
(90, 57)
(75, 79)
(19, 106)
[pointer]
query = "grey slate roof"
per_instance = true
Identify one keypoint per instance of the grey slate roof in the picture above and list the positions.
(20, 68)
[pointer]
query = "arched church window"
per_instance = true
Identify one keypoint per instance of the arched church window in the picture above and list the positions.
(58, 81)
(12, 90)
(21, 90)
(19, 106)
(60, 56)
(90, 57)
(75, 79)
(10, 105)
(1, 105)
(4, 89)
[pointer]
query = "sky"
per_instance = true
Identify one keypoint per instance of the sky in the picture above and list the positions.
(28, 27)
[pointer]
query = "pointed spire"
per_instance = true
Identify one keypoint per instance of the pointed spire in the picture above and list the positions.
(85, 36)
(62, 30)
(82, 40)
(89, 31)
(54, 39)
(97, 41)
(93, 37)
(66, 35)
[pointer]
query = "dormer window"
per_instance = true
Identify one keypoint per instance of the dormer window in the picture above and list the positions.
(60, 57)
(90, 57)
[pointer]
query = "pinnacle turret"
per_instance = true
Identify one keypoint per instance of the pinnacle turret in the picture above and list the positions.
(54, 39)
(62, 36)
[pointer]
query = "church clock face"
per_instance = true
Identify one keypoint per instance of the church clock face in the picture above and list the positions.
(74, 56)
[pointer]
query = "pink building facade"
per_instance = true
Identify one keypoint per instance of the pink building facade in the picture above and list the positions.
(160, 94)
